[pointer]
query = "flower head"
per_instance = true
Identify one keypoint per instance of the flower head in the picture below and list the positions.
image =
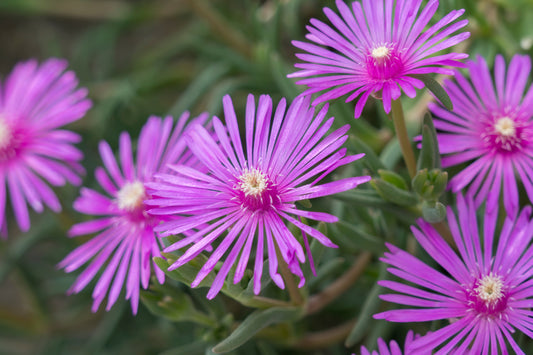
(126, 235)
(35, 102)
(376, 48)
(492, 125)
(251, 194)
(485, 295)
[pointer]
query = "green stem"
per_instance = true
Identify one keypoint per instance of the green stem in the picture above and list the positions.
(403, 137)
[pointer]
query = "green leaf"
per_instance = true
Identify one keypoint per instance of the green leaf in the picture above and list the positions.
(185, 273)
(371, 158)
(436, 89)
(433, 212)
(254, 323)
(393, 178)
(429, 157)
(391, 193)
(360, 239)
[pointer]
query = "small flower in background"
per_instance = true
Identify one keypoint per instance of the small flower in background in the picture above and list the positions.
(250, 194)
(125, 230)
(375, 49)
(491, 124)
(485, 295)
(35, 102)
(394, 349)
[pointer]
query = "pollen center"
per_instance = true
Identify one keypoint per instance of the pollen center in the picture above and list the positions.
(380, 53)
(505, 127)
(253, 182)
(131, 196)
(6, 134)
(490, 289)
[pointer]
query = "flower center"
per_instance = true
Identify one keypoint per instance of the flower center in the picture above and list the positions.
(253, 182)
(505, 127)
(131, 196)
(488, 296)
(383, 63)
(505, 134)
(380, 54)
(490, 289)
(255, 191)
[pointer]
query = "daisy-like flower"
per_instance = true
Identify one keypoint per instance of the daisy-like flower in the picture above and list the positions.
(492, 126)
(35, 102)
(251, 192)
(485, 295)
(126, 237)
(376, 48)
(394, 349)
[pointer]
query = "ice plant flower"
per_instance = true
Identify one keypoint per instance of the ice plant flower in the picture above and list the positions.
(491, 127)
(376, 48)
(485, 295)
(251, 188)
(393, 348)
(126, 237)
(36, 101)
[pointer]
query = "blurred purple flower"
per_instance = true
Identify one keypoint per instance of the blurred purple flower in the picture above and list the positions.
(375, 49)
(492, 125)
(126, 230)
(484, 295)
(250, 195)
(35, 102)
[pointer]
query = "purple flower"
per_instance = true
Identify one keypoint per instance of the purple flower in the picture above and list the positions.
(375, 49)
(394, 348)
(485, 295)
(250, 193)
(125, 229)
(35, 102)
(492, 125)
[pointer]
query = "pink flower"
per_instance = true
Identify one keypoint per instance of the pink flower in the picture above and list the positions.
(35, 102)
(485, 294)
(491, 127)
(376, 49)
(126, 238)
(251, 193)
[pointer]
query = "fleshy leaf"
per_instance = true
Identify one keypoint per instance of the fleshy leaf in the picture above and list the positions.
(254, 323)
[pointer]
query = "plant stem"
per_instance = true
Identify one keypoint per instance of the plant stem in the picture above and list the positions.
(403, 138)
(322, 299)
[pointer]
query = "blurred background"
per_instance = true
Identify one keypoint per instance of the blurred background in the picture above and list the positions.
(143, 57)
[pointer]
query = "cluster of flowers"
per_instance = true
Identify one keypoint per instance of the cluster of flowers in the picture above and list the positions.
(226, 197)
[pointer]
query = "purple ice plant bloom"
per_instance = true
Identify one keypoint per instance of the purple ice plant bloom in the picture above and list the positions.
(484, 294)
(251, 188)
(36, 101)
(377, 48)
(394, 349)
(491, 127)
(126, 237)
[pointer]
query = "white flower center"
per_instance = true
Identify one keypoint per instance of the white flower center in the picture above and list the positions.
(252, 182)
(380, 53)
(490, 288)
(5, 134)
(131, 196)
(505, 127)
